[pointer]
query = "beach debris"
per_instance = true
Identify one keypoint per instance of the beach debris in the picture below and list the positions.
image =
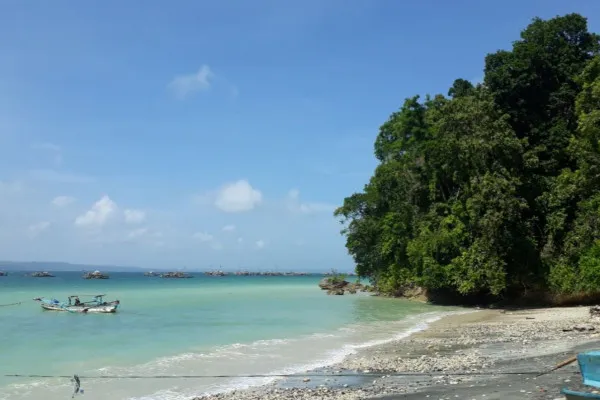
(305, 380)
(583, 328)
(595, 311)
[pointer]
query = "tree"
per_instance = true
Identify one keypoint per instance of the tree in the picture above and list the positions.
(496, 188)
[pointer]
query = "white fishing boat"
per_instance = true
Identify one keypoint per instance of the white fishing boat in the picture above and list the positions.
(74, 305)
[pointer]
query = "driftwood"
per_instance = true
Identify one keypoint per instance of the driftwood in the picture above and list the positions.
(561, 364)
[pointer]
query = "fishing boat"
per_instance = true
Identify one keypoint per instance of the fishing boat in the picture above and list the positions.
(74, 305)
(95, 275)
(42, 274)
(589, 365)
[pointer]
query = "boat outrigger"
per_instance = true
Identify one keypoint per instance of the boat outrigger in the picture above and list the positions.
(96, 305)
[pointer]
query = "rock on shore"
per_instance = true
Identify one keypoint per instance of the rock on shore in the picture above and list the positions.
(340, 287)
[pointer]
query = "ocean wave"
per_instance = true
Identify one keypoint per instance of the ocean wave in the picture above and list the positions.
(268, 357)
(332, 357)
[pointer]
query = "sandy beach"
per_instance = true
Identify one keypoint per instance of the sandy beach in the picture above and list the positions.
(489, 354)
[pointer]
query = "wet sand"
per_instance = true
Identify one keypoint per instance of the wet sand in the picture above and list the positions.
(465, 356)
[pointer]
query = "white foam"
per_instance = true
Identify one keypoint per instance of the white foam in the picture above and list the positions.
(330, 358)
(263, 356)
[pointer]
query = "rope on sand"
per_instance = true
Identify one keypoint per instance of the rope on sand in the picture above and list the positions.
(313, 375)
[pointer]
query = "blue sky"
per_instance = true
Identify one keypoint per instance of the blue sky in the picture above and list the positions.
(198, 133)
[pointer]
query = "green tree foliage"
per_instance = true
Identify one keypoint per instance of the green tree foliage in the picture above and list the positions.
(496, 187)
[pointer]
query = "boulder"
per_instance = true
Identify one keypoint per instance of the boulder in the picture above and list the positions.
(329, 284)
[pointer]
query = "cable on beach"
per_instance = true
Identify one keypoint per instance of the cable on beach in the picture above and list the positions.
(307, 375)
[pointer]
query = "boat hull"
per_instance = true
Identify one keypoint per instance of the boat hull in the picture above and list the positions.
(574, 395)
(105, 309)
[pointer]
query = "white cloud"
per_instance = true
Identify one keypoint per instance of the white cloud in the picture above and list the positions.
(50, 175)
(38, 228)
(260, 244)
(229, 228)
(240, 240)
(239, 196)
(62, 201)
(203, 236)
(294, 204)
(136, 233)
(184, 85)
(100, 212)
(134, 216)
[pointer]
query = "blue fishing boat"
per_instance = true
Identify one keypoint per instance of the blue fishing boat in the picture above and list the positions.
(74, 305)
(589, 365)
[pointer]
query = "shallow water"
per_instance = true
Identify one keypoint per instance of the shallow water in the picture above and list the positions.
(199, 326)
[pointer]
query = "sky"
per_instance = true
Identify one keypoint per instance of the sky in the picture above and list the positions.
(200, 134)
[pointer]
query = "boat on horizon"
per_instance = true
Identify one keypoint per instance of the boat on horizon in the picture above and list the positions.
(42, 274)
(74, 305)
(95, 275)
(177, 274)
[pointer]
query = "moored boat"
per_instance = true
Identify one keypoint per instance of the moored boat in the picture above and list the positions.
(95, 275)
(42, 274)
(177, 274)
(74, 305)
(589, 365)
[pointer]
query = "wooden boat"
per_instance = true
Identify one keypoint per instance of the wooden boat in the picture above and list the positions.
(574, 395)
(42, 274)
(177, 274)
(589, 365)
(74, 305)
(95, 275)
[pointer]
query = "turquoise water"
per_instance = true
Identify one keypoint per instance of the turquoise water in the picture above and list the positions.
(200, 326)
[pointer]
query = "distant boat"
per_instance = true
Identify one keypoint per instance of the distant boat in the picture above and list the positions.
(42, 274)
(74, 305)
(151, 273)
(95, 275)
(177, 274)
(2, 273)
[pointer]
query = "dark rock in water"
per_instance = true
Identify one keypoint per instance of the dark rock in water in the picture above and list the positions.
(330, 283)
(339, 287)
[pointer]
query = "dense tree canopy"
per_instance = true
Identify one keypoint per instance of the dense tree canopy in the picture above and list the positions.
(495, 187)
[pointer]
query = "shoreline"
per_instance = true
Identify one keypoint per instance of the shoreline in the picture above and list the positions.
(473, 341)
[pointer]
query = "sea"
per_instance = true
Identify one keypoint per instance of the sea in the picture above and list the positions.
(214, 330)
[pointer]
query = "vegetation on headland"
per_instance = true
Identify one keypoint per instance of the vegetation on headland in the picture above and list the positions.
(494, 189)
